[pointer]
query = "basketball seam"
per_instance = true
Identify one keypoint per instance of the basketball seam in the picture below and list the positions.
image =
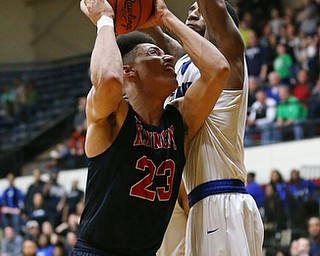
(140, 9)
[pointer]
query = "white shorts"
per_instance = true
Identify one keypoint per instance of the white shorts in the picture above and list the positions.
(225, 225)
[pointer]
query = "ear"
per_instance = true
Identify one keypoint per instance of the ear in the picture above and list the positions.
(128, 71)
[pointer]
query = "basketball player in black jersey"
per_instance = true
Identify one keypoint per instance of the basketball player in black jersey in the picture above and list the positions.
(136, 148)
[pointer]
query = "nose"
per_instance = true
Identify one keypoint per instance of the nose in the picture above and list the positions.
(193, 15)
(168, 58)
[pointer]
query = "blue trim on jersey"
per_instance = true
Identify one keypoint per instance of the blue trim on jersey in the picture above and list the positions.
(215, 187)
(184, 67)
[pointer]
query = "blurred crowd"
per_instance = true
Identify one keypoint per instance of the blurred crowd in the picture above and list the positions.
(18, 102)
(283, 59)
(288, 209)
(43, 220)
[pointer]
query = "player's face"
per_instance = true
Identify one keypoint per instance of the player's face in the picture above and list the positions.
(155, 67)
(195, 20)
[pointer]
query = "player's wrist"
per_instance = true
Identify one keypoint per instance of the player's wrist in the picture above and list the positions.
(103, 21)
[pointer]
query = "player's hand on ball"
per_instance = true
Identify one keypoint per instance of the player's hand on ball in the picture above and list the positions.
(94, 9)
(160, 9)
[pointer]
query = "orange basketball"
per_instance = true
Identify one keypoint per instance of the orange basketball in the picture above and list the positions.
(129, 14)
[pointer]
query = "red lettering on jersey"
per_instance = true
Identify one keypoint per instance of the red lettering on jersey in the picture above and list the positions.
(165, 139)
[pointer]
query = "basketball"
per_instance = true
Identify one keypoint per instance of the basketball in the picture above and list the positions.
(129, 14)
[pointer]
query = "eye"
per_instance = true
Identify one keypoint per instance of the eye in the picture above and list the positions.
(153, 51)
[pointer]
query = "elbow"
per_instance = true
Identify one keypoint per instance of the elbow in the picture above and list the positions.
(225, 71)
(222, 72)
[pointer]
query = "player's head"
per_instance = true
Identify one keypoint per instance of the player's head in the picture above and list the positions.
(128, 42)
(196, 21)
(144, 63)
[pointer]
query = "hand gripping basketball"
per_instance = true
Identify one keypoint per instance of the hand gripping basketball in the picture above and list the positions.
(130, 14)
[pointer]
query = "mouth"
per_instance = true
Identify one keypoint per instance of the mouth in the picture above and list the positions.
(191, 25)
(169, 67)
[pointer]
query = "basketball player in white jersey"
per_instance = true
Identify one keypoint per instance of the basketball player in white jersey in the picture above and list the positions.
(223, 219)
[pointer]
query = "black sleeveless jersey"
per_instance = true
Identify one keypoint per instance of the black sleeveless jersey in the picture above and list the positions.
(132, 187)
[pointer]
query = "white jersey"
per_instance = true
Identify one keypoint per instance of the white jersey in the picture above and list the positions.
(217, 150)
(227, 224)
(173, 243)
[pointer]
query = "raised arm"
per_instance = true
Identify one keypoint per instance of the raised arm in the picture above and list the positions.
(222, 31)
(105, 97)
(214, 72)
(165, 42)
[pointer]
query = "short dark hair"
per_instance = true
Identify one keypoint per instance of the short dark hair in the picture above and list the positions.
(127, 42)
(232, 13)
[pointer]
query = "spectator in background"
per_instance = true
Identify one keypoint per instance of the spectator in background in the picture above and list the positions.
(274, 209)
(307, 17)
(70, 242)
(47, 228)
(38, 210)
(74, 197)
(12, 204)
(314, 102)
(300, 247)
(32, 231)
(7, 99)
(29, 248)
(76, 141)
(314, 235)
(306, 55)
(20, 97)
(253, 85)
(31, 101)
(245, 27)
(55, 196)
(280, 186)
(292, 41)
(11, 243)
(256, 57)
(276, 20)
(58, 250)
(255, 190)
(274, 217)
(282, 252)
(291, 115)
(261, 118)
(44, 246)
(304, 201)
(272, 87)
(269, 41)
(282, 64)
(61, 155)
(301, 87)
(35, 187)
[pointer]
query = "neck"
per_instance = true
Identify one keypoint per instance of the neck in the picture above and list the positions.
(148, 112)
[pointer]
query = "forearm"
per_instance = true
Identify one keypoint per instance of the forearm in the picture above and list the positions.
(221, 29)
(106, 63)
(165, 42)
(105, 59)
(203, 54)
(106, 76)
